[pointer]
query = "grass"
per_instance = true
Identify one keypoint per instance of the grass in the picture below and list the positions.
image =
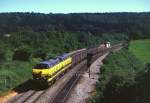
(13, 74)
(141, 48)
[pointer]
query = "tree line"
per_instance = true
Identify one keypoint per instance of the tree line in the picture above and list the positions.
(136, 25)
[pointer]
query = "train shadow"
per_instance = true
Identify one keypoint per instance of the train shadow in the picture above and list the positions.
(30, 85)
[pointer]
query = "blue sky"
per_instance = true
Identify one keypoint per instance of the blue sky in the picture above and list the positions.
(71, 6)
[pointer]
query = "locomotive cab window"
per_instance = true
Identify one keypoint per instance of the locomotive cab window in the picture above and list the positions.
(41, 66)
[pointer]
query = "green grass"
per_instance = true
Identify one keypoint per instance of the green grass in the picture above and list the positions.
(13, 74)
(141, 48)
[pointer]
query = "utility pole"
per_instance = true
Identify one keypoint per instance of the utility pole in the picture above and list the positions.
(89, 61)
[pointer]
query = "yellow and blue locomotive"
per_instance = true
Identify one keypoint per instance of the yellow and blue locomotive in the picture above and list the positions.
(49, 71)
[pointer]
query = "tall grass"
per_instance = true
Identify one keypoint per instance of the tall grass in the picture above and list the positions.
(14, 73)
(141, 48)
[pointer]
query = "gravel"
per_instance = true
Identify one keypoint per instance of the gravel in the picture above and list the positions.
(85, 88)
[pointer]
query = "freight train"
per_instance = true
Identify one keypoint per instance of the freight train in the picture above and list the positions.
(51, 70)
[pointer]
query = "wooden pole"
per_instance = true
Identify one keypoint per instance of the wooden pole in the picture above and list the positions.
(89, 61)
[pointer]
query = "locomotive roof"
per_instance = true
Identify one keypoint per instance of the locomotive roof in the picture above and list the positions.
(52, 62)
(45, 62)
(64, 55)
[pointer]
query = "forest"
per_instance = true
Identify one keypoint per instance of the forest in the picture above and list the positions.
(136, 25)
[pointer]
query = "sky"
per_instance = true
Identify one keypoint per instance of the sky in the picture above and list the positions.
(74, 6)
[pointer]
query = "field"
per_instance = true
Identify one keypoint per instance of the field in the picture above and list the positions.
(141, 48)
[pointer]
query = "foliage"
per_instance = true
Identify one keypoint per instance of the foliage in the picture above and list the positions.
(136, 25)
(114, 38)
(119, 71)
(141, 89)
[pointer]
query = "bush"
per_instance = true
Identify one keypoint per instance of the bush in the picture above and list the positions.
(21, 55)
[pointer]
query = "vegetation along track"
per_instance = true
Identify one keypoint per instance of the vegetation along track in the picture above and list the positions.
(59, 91)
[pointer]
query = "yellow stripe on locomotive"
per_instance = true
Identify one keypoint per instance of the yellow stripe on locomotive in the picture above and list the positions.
(49, 70)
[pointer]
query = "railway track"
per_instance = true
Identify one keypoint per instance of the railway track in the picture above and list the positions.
(62, 96)
(59, 91)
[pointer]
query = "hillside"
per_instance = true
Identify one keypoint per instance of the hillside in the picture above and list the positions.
(141, 48)
(136, 25)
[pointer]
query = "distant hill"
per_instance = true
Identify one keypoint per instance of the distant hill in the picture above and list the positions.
(136, 25)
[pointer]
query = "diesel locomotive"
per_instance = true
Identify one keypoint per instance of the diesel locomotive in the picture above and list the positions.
(48, 71)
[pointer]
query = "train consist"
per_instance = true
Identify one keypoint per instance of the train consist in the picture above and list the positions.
(51, 70)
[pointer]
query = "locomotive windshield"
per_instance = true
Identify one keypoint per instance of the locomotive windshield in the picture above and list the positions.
(41, 66)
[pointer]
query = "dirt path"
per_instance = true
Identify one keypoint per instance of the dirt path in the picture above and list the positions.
(86, 86)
